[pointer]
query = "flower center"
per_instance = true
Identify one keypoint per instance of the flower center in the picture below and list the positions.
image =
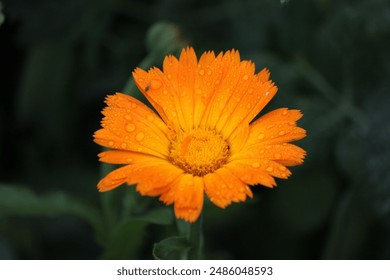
(199, 151)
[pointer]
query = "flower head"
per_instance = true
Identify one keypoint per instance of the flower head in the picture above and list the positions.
(203, 139)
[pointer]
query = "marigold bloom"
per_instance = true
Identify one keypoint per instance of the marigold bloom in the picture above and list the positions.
(202, 139)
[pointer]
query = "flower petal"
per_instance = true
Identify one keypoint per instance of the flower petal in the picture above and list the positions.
(130, 125)
(223, 187)
(152, 175)
(249, 172)
(187, 194)
(278, 126)
(171, 92)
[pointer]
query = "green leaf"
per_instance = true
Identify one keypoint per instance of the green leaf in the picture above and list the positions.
(306, 202)
(1, 15)
(17, 200)
(173, 248)
(160, 216)
(125, 240)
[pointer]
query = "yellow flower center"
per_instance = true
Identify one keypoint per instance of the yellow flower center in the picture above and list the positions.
(199, 151)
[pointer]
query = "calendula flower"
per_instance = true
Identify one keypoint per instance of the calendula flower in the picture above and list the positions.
(202, 139)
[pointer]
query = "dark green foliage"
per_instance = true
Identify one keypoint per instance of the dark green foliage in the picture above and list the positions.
(61, 58)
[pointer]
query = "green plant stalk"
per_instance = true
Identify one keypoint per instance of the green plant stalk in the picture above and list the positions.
(196, 240)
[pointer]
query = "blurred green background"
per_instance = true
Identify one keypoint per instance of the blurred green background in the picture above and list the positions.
(60, 58)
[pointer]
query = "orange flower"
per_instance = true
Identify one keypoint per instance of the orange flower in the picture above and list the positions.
(202, 139)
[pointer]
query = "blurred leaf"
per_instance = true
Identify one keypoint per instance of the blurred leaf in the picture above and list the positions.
(161, 216)
(163, 38)
(173, 248)
(365, 156)
(349, 230)
(2, 18)
(125, 240)
(16, 200)
(306, 202)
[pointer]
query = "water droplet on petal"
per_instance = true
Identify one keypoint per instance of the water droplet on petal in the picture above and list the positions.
(139, 136)
(130, 127)
(245, 77)
(209, 72)
(128, 117)
(267, 93)
(284, 113)
(123, 145)
(150, 118)
(282, 168)
(278, 156)
(261, 136)
(255, 165)
(133, 105)
(128, 160)
(270, 169)
(169, 76)
(281, 133)
(110, 143)
(201, 72)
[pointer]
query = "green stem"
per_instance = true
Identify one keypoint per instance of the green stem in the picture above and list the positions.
(196, 240)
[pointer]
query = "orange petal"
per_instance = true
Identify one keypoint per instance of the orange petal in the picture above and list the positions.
(222, 187)
(130, 125)
(285, 154)
(171, 92)
(152, 175)
(248, 171)
(187, 194)
(278, 126)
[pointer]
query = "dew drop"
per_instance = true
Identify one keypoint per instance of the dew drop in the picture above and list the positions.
(201, 72)
(139, 149)
(223, 186)
(281, 133)
(169, 76)
(130, 127)
(270, 126)
(282, 168)
(261, 136)
(284, 113)
(270, 169)
(267, 93)
(165, 92)
(139, 136)
(110, 143)
(150, 118)
(245, 77)
(242, 189)
(128, 117)
(209, 72)
(255, 165)
(123, 145)
(278, 156)
(129, 160)
(133, 105)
